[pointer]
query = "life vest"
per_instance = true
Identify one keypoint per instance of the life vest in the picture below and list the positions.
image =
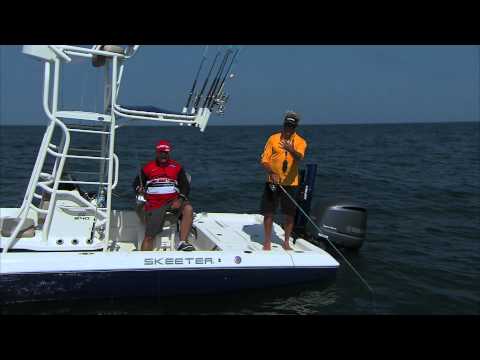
(162, 183)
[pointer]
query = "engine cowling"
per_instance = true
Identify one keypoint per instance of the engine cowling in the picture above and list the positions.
(345, 224)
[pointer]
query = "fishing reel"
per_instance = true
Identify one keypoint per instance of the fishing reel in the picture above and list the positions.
(140, 199)
(219, 103)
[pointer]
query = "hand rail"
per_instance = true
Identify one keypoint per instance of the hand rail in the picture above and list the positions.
(66, 144)
(116, 162)
(123, 111)
(82, 182)
(34, 179)
(60, 53)
(63, 155)
(41, 211)
(131, 50)
(90, 51)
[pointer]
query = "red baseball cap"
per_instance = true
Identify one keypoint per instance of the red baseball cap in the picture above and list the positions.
(163, 145)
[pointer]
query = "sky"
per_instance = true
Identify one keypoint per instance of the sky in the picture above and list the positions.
(325, 84)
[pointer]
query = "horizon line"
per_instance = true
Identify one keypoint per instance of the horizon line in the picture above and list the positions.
(279, 124)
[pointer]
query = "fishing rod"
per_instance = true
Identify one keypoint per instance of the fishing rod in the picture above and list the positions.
(207, 79)
(338, 251)
(216, 92)
(220, 98)
(222, 83)
(140, 196)
(194, 85)
(222, 76)
(217, 78)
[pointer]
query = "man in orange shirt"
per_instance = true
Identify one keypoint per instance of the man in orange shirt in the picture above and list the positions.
(283, 151)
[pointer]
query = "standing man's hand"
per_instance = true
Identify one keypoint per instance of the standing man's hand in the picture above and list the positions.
(275, 178)
(287, 145)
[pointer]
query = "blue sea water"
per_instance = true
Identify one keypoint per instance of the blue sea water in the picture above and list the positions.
(420, 183)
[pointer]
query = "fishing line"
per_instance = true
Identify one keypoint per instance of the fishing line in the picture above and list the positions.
(86, 73)
(338, 251)
(60, 81)
(137, 164)
(99, 195)
(97, 85)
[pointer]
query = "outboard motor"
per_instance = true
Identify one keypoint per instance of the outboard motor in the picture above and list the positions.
(345, 224)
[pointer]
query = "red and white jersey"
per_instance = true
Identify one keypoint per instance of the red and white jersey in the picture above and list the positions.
(161, 183)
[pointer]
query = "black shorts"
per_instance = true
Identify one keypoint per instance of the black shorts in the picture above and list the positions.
(155, 219)
(271, 200)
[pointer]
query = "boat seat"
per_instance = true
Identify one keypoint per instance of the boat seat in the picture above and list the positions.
(114, 48)
(171, 219)
(126, 247)
(9, 225)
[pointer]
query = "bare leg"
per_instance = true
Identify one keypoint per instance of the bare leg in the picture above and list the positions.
(187, 220)
(267, 225)
(147, 244)
(288, 227)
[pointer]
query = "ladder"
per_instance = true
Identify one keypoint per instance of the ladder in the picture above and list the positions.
(105, 157)
(49, 181)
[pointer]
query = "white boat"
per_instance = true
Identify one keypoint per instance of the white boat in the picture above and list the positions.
(65, 243)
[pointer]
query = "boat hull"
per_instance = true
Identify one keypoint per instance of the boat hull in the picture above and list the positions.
(152, 283)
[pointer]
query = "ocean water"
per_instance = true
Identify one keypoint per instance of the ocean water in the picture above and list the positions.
(419, 182)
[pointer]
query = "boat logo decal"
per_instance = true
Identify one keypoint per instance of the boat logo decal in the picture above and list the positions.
(178, 261)
(82, 217)
(238, 259)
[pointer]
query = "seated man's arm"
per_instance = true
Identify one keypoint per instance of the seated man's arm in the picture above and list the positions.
(183, 184)
(139, 183)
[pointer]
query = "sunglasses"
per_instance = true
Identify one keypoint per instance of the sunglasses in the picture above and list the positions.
(289, 125)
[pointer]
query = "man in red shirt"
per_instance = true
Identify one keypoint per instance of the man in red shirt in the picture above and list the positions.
(165, 187)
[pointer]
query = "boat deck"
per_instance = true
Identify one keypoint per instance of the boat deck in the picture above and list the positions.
(238, 231)
(211, 232)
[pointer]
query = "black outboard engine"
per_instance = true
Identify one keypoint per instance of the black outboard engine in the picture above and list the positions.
(344, 223)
